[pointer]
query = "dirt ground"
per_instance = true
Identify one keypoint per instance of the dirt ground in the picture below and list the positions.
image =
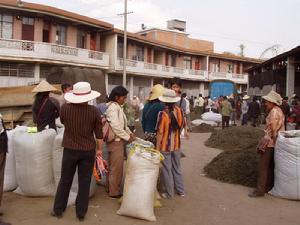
(207, 202)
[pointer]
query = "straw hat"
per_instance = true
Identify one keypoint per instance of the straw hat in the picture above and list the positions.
(246, 97)
(169, 96)
(82, 92)
(156, 92)
(273, 97)
(44, 86)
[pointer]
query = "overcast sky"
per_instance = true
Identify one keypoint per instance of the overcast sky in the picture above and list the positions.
(258, 24)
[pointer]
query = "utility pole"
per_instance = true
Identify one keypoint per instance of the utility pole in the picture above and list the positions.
(125, 44)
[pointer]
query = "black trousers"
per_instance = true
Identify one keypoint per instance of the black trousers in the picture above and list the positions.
(225, 121)
(84, 161)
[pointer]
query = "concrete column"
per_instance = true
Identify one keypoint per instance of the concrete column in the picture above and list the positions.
(38, 29)
(106, 83)
(53, 33)
(207, 67)
(88, 41)
(72, 36)
(241, 68)
(37, 72)
(202, 88)
(290, 77)
(17, 28)
(98, 41)
(163, 83)
(131, 88)
(151, 83)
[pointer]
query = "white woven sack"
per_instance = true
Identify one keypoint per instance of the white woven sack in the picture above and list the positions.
(33, 153)
(10, 178)
(140, 185)
(287, 165)
(198, 122)
(211, 116)
(57, 155)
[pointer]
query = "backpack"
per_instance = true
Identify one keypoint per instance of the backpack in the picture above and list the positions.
(108, 134)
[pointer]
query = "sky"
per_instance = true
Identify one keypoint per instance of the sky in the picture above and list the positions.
(257, 24)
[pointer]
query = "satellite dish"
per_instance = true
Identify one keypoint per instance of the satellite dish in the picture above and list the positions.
(271, 52)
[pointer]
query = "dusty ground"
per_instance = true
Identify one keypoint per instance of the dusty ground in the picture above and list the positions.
(207, 202)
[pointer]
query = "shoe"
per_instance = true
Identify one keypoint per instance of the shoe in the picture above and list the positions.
(1, 213)
(181, 195)
(54, 214)
(80, 218)
(116, 196)
(165, 195)
(182, 155)
(255, 194)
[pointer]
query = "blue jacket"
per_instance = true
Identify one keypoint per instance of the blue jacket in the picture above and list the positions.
(149, 117)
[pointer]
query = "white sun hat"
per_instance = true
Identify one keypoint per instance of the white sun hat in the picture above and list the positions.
(273, 97)
(81, 93)
(246, 97)
(169, 96)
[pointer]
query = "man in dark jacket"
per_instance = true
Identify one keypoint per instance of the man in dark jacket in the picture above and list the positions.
(254, 111)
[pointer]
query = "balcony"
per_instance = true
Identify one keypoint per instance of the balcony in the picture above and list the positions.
(150, 69)
(52, 53)
(237, 78)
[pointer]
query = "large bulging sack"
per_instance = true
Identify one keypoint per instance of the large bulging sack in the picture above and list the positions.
(211, 116)
(10, 179)
(140, 183)
(33, 153)
(199, 122)
(287, 165)
(57, 155)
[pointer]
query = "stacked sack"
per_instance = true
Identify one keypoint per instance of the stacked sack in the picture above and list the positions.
(140, 182)
(33, 154)
(287, 165)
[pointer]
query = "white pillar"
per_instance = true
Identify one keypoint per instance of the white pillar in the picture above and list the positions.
(207, 67)
(290, 77)
(152, 82)
(106, 84)
(202, 88)
(131, 88)
(37, 73)
(163, 83)
(241, 68)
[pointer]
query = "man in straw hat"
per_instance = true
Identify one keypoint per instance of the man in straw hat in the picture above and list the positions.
(169, 125)
(265, 148)
(82, 122)
(150, 113)
(45, 109)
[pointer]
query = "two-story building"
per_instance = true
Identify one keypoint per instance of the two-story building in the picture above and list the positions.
(36, 39)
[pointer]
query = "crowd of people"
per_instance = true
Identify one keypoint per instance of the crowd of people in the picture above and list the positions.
(165, 118)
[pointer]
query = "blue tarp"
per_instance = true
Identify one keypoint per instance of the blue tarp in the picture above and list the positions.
(221, 88)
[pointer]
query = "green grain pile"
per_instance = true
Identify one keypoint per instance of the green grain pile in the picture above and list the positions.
(237, 164)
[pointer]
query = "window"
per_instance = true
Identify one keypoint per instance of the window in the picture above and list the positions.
(187, 62)
(81, 39)
(229, 68)
(6, 26)
(61, 35)
(139, 53)
(120, 50)
(173, 60)
(28, 21)
(216, 67)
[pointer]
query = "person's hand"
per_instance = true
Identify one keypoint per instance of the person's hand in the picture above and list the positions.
(99, 152)
(186, 135)
(132, 138)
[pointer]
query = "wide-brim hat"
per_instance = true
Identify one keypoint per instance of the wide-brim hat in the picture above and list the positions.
(156, 92)
(44, 86)
(81, 93)
(273, 97)
(169, 96)
(246, 97)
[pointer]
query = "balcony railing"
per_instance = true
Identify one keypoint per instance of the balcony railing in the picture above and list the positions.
(141, 67)
(238, 78)
(47, 52)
